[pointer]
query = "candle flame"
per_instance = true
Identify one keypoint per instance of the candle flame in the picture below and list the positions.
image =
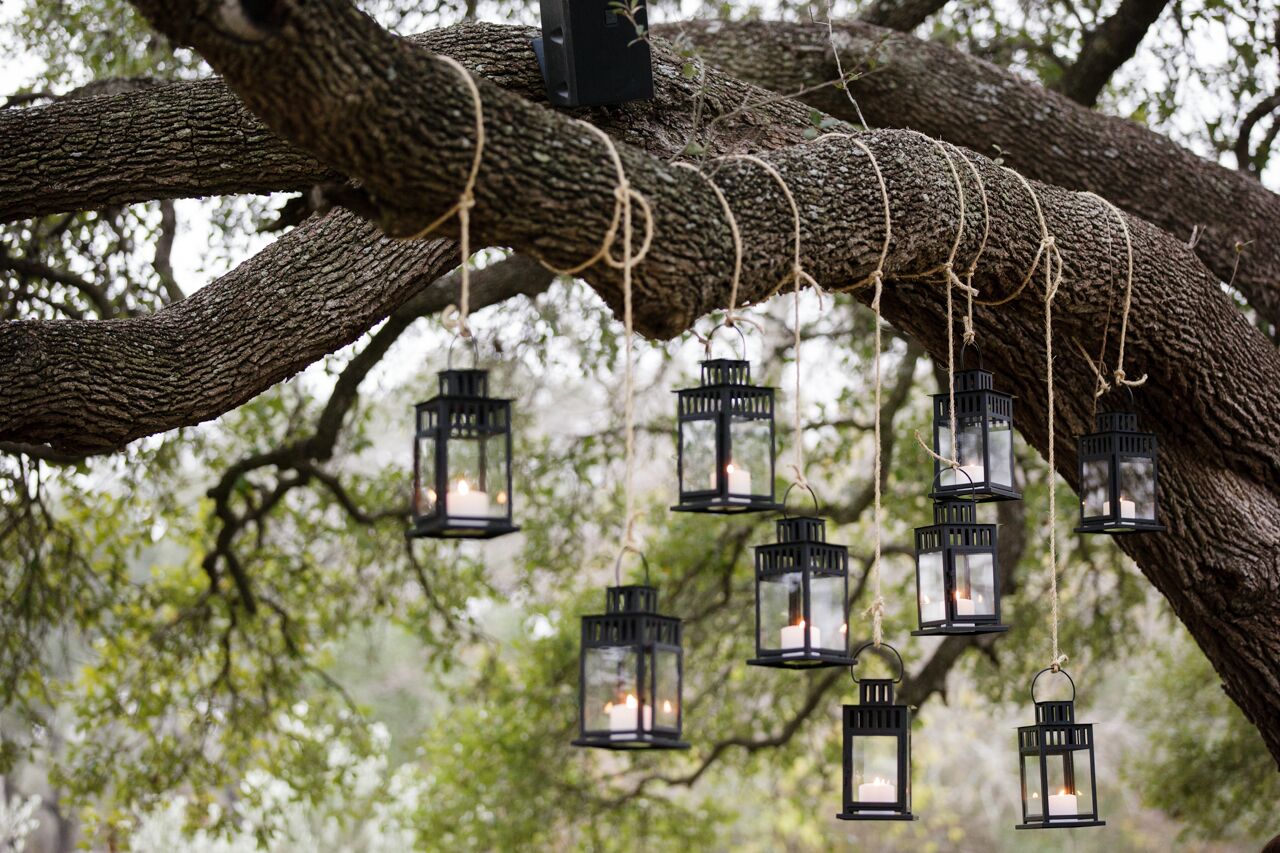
(1064, 791)
(666, 707)
(800, 624)
(844, 629)
(729, 469)
(631, 701)
(608, 706)
(1035, 795)
(463, 487)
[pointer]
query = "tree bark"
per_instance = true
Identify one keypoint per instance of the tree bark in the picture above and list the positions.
(904, 15)
(1044, 135)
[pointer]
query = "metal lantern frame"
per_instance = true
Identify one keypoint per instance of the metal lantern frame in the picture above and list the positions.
(976, 400)
(956, 536)
(1056, 740)
(724, 397)
(1118, 446)
(800, 556)
(463, 411)
(632, 627)
(876, 716)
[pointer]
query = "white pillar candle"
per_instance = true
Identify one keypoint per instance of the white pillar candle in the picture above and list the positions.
(465, 500)
(623, 716)
(977, 473)
(739, 482)
(1128, 509)
(877, 791)
(964, 606)
(930, 610)
(1063, 804)
(793, 637)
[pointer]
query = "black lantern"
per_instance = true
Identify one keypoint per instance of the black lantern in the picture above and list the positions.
(1118, 477)
(877, 751)
(957, 573)
(462, 461)
(802, 598)
(984, 420)
(594, 52)
(631, 674)
(1059, 788)
(725, 447)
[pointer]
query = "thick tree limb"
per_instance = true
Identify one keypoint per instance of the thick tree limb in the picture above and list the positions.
(1044, 135)
(1212, 375)
(1110, 45)
(904, 15)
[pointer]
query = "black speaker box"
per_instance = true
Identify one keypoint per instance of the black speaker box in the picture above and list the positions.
(590, 53)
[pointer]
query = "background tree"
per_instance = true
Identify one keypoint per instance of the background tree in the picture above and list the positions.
(187, 608)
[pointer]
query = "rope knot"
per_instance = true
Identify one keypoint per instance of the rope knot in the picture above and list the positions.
(1055, 665)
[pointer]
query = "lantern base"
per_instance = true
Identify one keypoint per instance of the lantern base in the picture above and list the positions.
(441, 528)
(943, 630)
(1061, 824)
(721, 506)
(812, 660)
(861, 815)
(982, 493)
(644, 741)
(1126, 525)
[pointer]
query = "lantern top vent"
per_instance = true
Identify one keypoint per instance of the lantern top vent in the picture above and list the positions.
(1116, 422)
(955, 512)
(875, 691)
(975, 379)
(726, 371)
(470, 382)
(802, 529)
(631, 599)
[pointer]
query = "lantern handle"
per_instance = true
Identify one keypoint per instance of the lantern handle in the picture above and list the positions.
(902, 669)
(475, 350)
(1133, 404)
(736, 326)
(1052, 669)
(976, 349)
(817, 510)
(617, 564)
(938, 475)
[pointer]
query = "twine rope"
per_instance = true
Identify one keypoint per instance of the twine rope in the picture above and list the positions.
(1118, 377)
(456, 316)
(969, 334)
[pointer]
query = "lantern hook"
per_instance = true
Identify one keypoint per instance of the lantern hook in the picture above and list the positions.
(902, 669)
(1059, 670)
(816, 508)
(735, 324)
(617, 564)
(976, 349)
(933, 485)
(475, 349)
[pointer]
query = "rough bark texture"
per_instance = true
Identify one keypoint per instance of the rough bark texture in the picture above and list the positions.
(903, 15)
(1044, 135)
(385, 112)
(1111, 44)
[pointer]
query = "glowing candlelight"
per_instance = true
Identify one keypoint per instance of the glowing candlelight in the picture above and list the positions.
(793, 637)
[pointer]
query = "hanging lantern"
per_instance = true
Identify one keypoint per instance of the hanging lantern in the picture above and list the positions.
(802, 598)
(877, 751)
(462, 461)
(631, 674)
(984, 420)
(725, 452)
(957, 573)
(1057, 766)
(1118, 477)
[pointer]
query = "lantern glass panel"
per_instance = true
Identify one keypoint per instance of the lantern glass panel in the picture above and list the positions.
(1031, 787)
(1000, 451)
(826, 606)
(666, 689)
(425, 500)
(698, 456)
(970, 456)
(610, 674)
(975, 592)
(1137, 485)
(751, 446)
(932, 588)
(781, 613)
(875, 768)
(477, 476)
(1096, 475)
(1070, 785)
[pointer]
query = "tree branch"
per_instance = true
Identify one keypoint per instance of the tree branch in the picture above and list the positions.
(1107, 47)
(904, 15)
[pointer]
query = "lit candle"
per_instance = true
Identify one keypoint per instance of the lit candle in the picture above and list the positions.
(739, 481)
(793, 637)
(623, 716)
(465, 500)
(977, 473)
(1063, 804)
(930, 610)
(877, 791)
(964, 606)
(1128, 509)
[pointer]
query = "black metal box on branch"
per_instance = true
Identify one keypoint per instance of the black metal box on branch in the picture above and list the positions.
(631, 674)
(725, 449)
(802, 598)
(1118, 477)
(1059, 788)
(957, 572)
(590, 52)
(877, 753)
(462, 461)
(984, 421)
